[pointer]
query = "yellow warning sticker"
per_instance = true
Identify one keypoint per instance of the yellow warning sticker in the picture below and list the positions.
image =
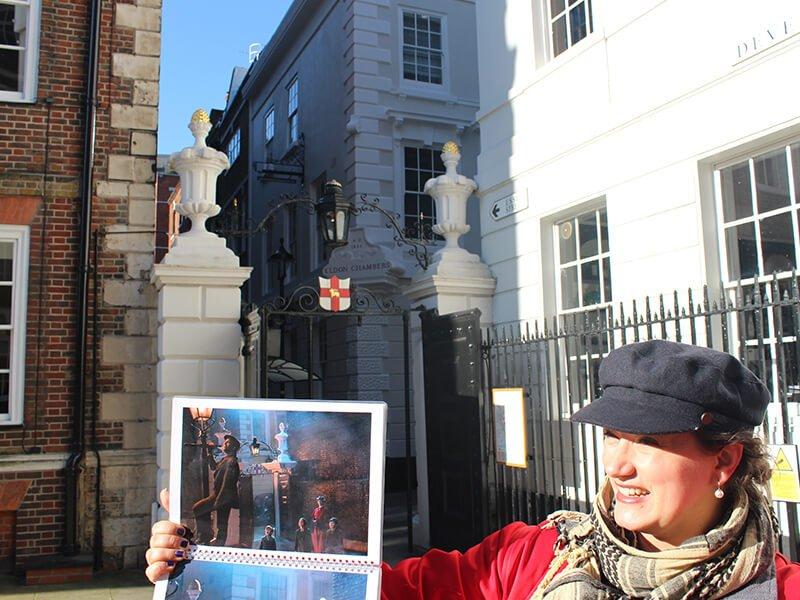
(785, 483)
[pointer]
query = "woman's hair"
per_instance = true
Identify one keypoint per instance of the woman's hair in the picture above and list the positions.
(755, 468)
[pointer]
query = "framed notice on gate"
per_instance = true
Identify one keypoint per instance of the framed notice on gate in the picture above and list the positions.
(509, 426)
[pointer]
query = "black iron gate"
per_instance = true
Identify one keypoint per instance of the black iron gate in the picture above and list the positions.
(302, 363)
(557, 366)
(451, 356)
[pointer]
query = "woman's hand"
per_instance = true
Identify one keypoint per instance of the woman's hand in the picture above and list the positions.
(169, 544)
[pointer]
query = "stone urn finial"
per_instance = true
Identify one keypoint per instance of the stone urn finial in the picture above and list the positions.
(198, 167)
(450, 192)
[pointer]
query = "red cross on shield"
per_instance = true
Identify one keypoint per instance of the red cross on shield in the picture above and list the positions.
(334, 293)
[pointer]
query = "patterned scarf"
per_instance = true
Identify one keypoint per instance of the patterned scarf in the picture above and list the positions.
(601, 561)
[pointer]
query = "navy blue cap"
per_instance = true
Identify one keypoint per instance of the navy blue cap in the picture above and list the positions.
(665, 387)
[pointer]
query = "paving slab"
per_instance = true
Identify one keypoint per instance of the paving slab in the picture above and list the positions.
(121, 585)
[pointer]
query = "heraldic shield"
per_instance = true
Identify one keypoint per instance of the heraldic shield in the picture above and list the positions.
(334, 293)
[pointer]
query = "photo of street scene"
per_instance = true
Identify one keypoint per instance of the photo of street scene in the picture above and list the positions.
(204, 580)
(290, 481)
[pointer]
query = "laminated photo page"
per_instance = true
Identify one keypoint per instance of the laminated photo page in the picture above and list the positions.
(284, 499)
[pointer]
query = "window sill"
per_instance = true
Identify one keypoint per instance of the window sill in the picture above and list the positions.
(16, 98)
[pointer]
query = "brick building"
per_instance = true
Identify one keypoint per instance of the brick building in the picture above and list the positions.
(77, 218)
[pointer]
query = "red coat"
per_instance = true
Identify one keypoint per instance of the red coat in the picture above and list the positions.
(506, 565)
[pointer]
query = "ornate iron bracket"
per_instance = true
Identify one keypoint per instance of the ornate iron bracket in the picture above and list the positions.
(304, 300)
(264, 223)
(418, 248)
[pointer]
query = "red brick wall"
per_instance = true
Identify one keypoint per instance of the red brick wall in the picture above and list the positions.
(25, 138)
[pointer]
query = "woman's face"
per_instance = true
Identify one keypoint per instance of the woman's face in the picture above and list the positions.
(664, 484)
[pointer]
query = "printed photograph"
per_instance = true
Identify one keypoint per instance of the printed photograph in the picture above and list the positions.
(204, 580)
(291, 481)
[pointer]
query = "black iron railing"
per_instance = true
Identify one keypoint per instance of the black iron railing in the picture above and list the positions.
(557, 363)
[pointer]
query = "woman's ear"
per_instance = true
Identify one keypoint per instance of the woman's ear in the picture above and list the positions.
(728, 459)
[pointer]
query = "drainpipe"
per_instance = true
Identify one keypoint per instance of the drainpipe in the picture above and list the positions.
(75, 459)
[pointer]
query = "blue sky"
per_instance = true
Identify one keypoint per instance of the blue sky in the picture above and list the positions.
(201, 42)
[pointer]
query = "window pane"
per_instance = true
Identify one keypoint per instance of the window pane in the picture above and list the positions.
(607, 280)
(569, 287)
(777, 243)
(423, 72)
(587, 226)
(411, 204)
(796, 171)
(11, 68)
(566, 240)
(559, 35)
(12, 25)
(4, 393)
(590, 283)
(577, 23)
(5, 305)
(423, 39)
(556, 6)
(603, 231)
(5, 349)
(436, 75)
(411, 181)
(408, 36)
(408, 19)
(436, 60)
(737, 200)
(422, 22)
(426, 205)
(436, 25)
(409, 65)
(741, 246)
(426, 159)
(772, 181)
(410, 158)
(6, 261)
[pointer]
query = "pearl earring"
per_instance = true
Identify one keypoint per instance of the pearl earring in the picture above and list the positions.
(719, 494)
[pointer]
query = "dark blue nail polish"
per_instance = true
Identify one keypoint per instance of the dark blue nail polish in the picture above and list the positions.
(181, 531)
(179, 553)
(170, 563)
(184, 543)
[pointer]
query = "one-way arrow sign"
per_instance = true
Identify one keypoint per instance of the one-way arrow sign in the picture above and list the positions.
(508, 206)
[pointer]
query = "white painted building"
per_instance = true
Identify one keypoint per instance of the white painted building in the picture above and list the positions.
(669, 128)
(631, 149)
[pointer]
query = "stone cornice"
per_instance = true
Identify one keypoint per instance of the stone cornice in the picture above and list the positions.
(437, 284)
(199, 276)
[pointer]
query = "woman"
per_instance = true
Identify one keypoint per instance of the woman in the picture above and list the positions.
(681, 513)
(302, 536)
(317, 527)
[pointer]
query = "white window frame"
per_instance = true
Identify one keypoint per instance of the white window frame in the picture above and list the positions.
(235, 146)
(722, 226)
(402, 45)
(269, 125)
(31, 49)
(420, 192)
(591, 26)
(293, 112)
(19, 235)
(770, 340)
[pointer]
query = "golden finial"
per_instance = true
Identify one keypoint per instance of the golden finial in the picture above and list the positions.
(451, 147)
(200, 116)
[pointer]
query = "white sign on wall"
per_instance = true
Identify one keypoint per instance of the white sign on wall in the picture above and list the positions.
(763, 38)
(509, 205)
